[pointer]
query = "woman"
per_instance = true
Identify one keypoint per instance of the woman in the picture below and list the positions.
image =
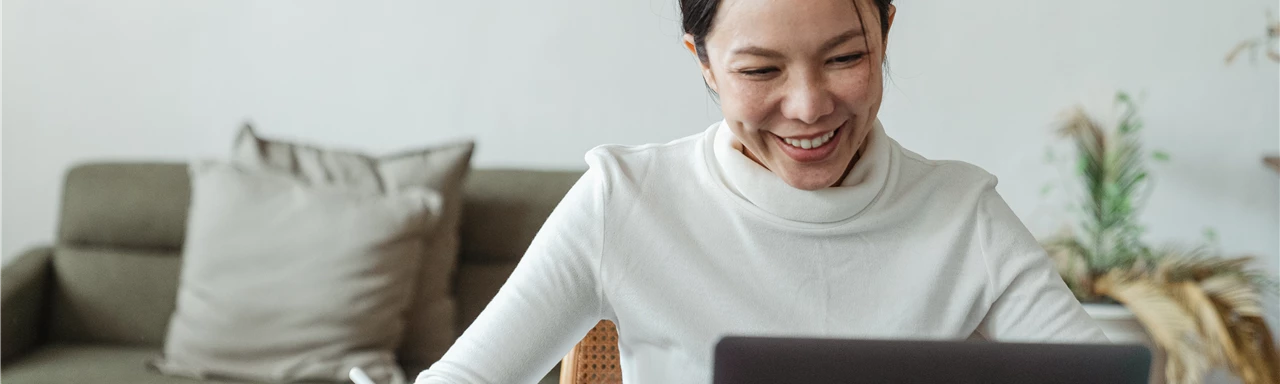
(796, 215)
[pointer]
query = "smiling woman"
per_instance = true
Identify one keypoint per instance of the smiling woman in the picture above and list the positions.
(795, 215)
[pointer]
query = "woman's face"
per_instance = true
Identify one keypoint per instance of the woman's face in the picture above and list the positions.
(799, 84)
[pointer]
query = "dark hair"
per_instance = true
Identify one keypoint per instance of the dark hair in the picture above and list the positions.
(699, 15)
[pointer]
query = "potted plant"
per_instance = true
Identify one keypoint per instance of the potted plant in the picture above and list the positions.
(1199, 309)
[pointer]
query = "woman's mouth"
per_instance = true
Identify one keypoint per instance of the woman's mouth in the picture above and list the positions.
(810, 143)
(811, 149)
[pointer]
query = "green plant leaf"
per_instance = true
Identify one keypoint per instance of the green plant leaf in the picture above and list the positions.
(1160, 156)
(1109, 165)
(1123, 97)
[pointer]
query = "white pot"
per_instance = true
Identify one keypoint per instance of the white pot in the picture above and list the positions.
(1122, 327)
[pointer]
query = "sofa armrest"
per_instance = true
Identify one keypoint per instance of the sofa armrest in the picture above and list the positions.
(24, 290)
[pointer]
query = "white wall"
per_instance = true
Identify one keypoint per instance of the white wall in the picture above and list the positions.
(537, 83)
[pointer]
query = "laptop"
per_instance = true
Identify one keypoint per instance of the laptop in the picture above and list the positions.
(760, 360)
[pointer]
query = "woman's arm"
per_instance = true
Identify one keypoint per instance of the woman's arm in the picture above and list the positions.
(551, 300)
(1032, 303)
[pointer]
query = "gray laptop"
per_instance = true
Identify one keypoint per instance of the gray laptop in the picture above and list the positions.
(759, 360)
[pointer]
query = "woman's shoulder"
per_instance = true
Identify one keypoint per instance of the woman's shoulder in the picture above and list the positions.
(680, 146)
(645, 152)
(951, 176)
(939, 189)
(630, 162)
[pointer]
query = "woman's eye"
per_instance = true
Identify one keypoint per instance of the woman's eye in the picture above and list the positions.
(846, 59)
(759, 71)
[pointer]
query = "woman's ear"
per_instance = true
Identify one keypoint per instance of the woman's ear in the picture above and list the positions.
(893, 12)
(705, 67)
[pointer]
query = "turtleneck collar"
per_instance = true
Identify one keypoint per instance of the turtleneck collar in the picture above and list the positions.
(760, 188)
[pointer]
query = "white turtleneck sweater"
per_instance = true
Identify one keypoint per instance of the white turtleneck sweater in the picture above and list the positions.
(682, 243)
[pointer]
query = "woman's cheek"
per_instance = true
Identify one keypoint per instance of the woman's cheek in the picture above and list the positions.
(854, 86)
(749, 102)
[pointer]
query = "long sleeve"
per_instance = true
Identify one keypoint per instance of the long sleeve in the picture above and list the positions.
(1032, 303)
(550, 301)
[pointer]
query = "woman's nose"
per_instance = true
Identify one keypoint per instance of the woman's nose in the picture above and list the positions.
(808, 100)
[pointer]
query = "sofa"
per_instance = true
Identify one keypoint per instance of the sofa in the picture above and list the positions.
(94, 306)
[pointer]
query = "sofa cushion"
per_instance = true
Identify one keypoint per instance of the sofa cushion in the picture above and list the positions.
(116, 259)
(477, 285)
(87, 363)
(141, 205)
(284, 281)
(115, 295)
(441, 168)
(506, 208)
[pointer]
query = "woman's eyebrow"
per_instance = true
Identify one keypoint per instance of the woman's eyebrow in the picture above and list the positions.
(841, 39)
(830, 44)
(758, 51)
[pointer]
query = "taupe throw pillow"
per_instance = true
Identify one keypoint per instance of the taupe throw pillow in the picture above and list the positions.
(284, 281)
(432, 315)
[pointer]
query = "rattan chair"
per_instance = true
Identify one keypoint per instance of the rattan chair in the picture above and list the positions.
(595, 359)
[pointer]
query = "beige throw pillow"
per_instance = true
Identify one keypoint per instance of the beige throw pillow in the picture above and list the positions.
(284, 281)
(432, 315)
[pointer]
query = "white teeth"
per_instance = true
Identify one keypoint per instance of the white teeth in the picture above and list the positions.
(811, 143)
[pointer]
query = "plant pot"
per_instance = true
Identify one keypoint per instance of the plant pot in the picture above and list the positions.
(1122, 327)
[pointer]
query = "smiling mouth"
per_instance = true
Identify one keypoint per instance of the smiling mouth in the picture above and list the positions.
(812, 143)
(812, 149)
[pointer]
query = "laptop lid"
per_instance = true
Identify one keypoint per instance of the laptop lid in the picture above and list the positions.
(760, 360)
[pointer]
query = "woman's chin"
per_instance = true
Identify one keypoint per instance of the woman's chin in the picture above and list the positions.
(811, 180)
(814, 176)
